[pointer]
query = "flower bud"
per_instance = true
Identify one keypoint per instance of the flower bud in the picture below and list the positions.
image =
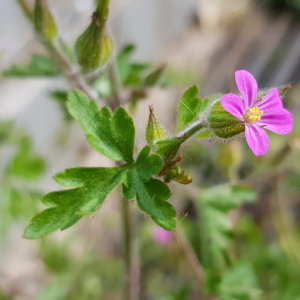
(154, 129)
(43, 21)
(176, 174)
(94, 47)
(222, 123)
(169, 147)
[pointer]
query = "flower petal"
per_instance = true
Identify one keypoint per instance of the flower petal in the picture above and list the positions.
(247, 86)
(275, 117)
(257, 139)
(270, 101)
(234, 105)
(279, 121)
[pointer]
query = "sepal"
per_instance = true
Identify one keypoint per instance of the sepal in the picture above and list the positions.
(222, 123)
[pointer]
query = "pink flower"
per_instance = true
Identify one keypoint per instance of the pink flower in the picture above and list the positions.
(258, 115)
(162, 236)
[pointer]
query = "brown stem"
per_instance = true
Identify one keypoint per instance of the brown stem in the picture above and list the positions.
(191, 256)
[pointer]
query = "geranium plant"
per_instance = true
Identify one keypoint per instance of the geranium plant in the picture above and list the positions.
(111, 131)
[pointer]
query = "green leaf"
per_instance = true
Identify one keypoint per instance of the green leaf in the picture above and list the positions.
(215, 227)
(190, 106)
(91, 187)
(61, 97)
(226, 197)
(154, 76)
(151, 194)
(111, 135)
(123, 61)
(27, 164)
(135, 75)
(40, 65)
(240, 283)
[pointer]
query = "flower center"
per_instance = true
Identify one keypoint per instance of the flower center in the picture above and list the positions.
(252, 115)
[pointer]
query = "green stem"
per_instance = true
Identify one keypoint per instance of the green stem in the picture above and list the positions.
(191, 130)
(131, 246)
(131, 254)
(116, 86)
(26, 9)
(127, 246)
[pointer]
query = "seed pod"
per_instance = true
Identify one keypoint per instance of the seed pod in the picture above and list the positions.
(44, 22)
(94, 47)
(223, 124)
(154, 129)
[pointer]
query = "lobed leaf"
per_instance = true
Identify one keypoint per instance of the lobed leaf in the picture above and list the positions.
(151, 194)
(240, 283)
(190, 106)
(27, 164)
(215, 227)
(111, 135)
(66, 207)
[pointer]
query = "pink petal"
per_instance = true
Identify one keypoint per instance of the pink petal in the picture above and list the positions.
(275, 117)
(234, 105)
(271, 101)
(257, 139)
(247, 86)
(279, 121)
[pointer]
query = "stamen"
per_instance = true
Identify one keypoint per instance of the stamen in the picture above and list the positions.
(255, 114)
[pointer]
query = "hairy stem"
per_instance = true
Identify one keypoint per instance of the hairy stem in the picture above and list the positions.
(193, 129)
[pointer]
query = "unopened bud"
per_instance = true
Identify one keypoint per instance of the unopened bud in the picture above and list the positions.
(223, 124)
(154, 129)
(43, 21)
(176, 174)
(168, 148)
(94, 47)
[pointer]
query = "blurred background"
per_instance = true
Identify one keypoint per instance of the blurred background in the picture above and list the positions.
(253, 255)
